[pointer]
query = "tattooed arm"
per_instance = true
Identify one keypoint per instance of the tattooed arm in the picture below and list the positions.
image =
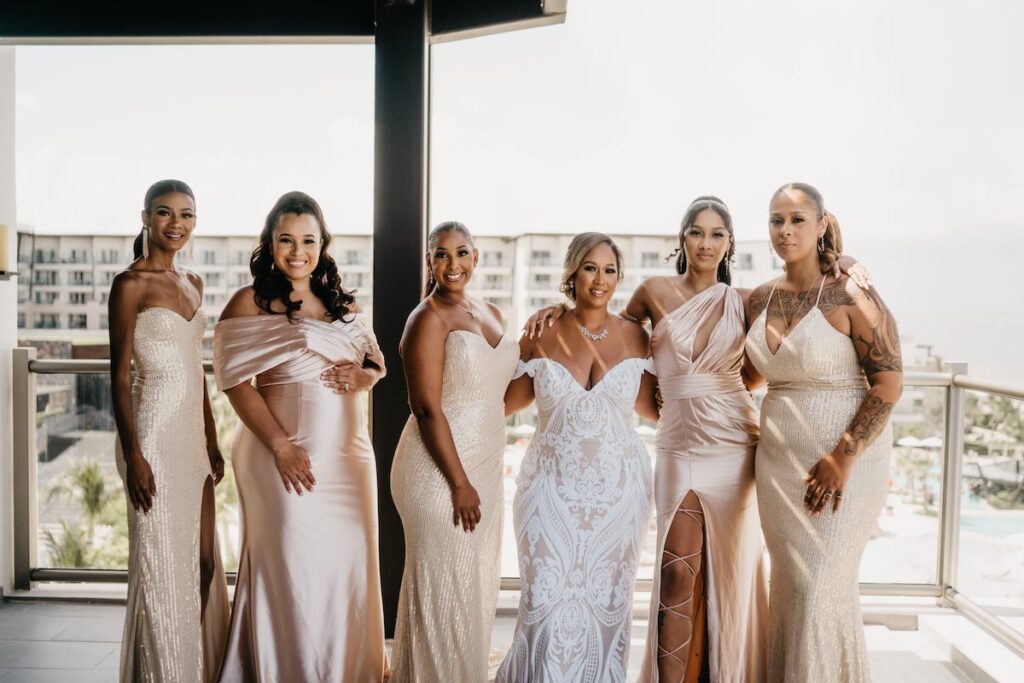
(876, 341)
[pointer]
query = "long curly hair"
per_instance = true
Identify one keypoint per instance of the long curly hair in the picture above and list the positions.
(830, 246)
(696, 207)
(270, 285)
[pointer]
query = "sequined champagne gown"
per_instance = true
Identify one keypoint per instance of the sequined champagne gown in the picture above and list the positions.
(450, 585)
(705, 442)
(815, 387)
(166, 638)
(582, 506)
(307, 602)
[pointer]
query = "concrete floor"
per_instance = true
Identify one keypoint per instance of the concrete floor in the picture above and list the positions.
(64, 641)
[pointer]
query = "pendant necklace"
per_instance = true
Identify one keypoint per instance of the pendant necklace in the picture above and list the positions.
(468, 311)
(592, 336)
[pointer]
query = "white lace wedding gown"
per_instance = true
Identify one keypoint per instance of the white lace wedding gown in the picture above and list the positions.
(582, 505)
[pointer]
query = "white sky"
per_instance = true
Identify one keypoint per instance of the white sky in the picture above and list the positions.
(907, 114)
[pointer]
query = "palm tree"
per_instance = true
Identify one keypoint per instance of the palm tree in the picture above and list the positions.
(85, 484)
(72, 549)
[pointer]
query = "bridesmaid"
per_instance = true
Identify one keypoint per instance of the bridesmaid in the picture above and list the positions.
(167, 453)
(713, 583)
(446, 476)
(583, 496)
(831, 355)
(307, 603)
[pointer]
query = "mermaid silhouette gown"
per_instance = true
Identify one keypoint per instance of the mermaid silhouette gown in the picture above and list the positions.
(815, 387)
(167, 637)
(307, 602)
(583, 500)
(450, 585)
(705, 443)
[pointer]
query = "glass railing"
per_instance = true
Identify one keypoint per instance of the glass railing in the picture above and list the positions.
(952, 526)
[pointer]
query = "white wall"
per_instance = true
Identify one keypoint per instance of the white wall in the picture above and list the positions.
(8, 315)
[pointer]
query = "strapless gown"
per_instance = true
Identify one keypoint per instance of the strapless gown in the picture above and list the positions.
(166, 638)
(307, 601)
(705, 443)
(450, 585)
(815, 387)
(582, 505)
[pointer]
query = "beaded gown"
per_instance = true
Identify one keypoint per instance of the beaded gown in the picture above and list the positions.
(450, 584)
(166, 638)
(307, 601)
(815, 387)
(705, 443)
(582, 505)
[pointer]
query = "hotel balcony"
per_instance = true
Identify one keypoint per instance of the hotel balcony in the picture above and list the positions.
(942, 578)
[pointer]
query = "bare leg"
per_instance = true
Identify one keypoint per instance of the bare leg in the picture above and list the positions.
(207, 538)
(680, 604)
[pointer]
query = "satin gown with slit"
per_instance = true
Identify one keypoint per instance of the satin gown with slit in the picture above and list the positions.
(167, 637)
(582, 506)
(450, 585)
(815, 387)
(705, 443)
(307, 603)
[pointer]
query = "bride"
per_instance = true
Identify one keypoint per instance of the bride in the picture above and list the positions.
(583, 496)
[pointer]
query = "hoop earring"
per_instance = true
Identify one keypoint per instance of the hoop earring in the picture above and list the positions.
(145, 242)
(821, 244)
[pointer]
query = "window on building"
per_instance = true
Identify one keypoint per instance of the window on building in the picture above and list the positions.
(239, 257)
(107, 278)
(493, 258)
(79, 298)
(104, 322)
(103, 297)
(212, 279)
(744, 261)
(352, 257)
(80, 277)
(110, 256)
(46, 256)
(45, 321)
(650, 259)
(542, 281)
(210, 299)
(208, 257)
(21, 320)
(494, 282)
(354, 280)
(46, 277)
(46, 297)
(540, 257)
(241, 280)
(77, 256)
(77, 321)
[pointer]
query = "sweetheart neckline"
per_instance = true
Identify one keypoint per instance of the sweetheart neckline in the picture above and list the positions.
(598, 382)
(171, 310)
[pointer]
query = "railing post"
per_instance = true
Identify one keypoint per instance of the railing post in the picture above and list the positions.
(952, 473)
(24, 468)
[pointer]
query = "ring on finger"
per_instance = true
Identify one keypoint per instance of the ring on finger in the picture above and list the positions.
(827, 494)
(344, 387)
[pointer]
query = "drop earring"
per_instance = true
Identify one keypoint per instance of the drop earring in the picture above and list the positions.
(145, 242)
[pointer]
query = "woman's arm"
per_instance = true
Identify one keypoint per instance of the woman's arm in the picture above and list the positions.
(752, 379)
(292, 461)
(876, 341)
(519, 393)
(637, 309)
(126, 295)
(209, 425)
(646, 399)
(423, 354)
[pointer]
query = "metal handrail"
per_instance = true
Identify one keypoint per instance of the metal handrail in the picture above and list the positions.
(954, 379)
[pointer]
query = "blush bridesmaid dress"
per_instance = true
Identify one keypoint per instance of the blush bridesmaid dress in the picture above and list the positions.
(307, 602)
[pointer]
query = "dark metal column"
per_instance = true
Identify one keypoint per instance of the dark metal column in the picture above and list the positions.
(401, 149)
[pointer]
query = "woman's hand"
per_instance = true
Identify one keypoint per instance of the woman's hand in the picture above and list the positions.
(346, 378)
(465, 506)
(825, 483)
(545, 317)
(294, 467)
(216, 463)
(855, 269)
(140, 482)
